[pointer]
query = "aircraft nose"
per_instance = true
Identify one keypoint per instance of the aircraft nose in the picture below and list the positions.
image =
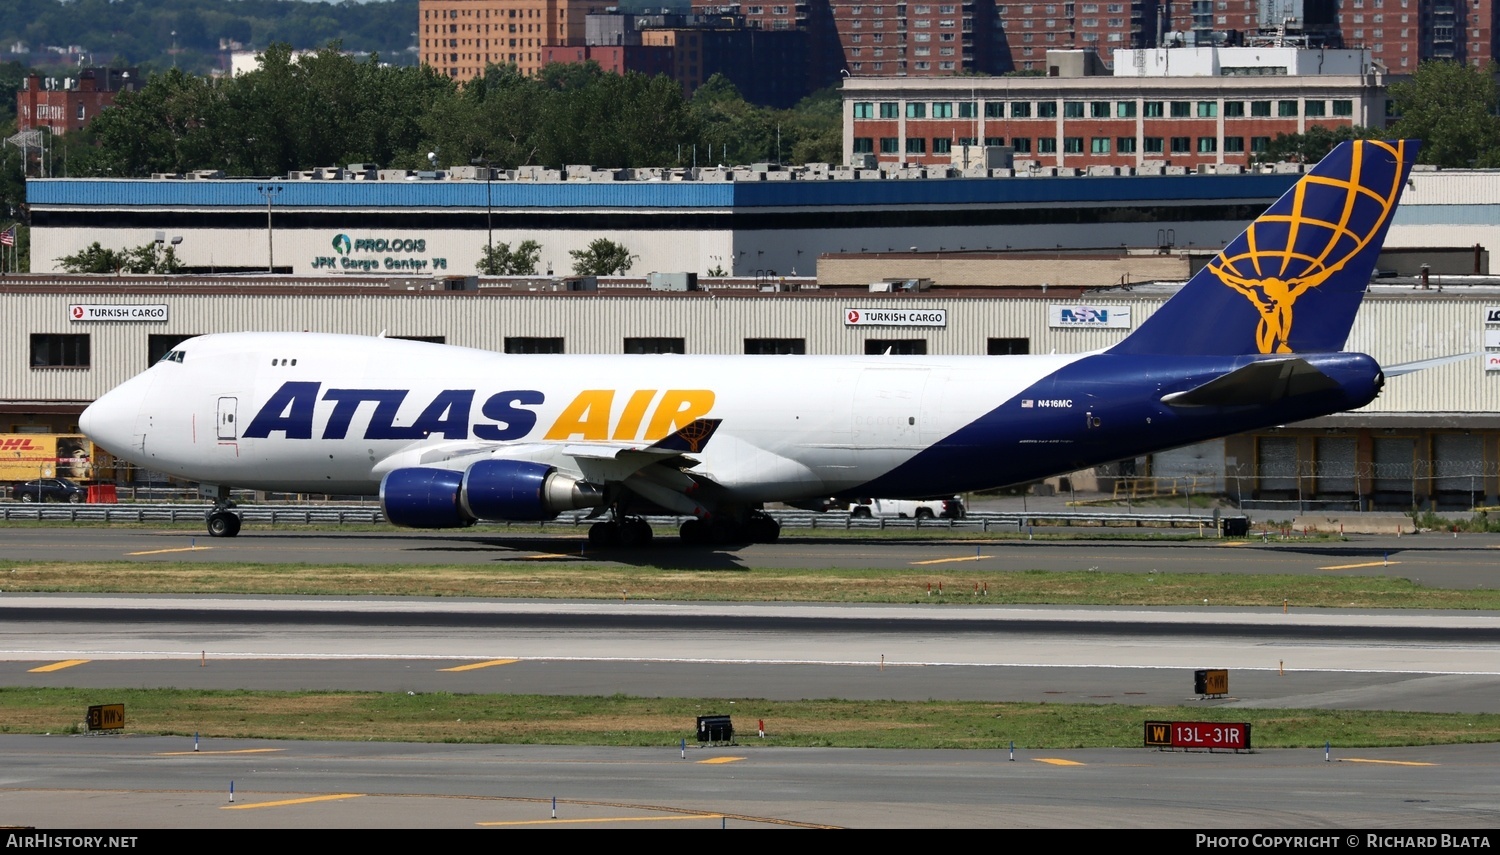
(111, 420)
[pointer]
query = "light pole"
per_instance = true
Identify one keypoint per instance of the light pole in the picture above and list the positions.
(489, 208)
(270, 191)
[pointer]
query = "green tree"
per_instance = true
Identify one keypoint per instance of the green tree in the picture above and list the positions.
(1312, 145)
(735, 130)
(1451, 108)
(501, 260)
(151, 258)
(603, 257)
(815, 128)
(146, 258)
(93, 259)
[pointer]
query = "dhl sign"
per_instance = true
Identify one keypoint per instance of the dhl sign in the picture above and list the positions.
(24, 456)
(593, 414)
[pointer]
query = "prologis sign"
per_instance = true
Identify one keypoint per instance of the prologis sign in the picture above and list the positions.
(370, 254)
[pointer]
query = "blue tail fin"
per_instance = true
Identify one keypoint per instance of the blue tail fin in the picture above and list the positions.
(1292, 282)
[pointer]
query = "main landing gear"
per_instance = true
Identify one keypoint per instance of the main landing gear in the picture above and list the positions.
(757, 527)
(621, 531)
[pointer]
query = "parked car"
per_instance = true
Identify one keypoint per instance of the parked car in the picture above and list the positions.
(951, 508)
(51, 490)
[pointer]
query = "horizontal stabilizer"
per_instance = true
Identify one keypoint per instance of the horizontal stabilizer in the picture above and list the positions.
(1424, 364)
(1257, 383)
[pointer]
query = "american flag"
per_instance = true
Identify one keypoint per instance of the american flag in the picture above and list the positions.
(8, 237)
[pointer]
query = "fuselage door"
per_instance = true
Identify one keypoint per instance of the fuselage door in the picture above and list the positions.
(227, 428)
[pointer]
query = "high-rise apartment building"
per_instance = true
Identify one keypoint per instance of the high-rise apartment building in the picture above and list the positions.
(460, 38)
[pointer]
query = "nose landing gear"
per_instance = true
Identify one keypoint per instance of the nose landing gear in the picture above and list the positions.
(222, 520)
(223, 523)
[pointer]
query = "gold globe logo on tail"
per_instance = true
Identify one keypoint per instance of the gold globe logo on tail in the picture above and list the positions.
(1284, 255)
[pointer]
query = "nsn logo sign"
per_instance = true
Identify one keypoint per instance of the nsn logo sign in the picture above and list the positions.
(1109, 317)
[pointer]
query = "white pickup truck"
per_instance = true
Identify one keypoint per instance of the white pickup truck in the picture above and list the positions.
(907, 509)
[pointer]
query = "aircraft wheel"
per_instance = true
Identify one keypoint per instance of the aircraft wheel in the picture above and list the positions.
(604, 534)
(223, 524)
(726, 531)
(635, 532)
(764, 529)
(693, 532)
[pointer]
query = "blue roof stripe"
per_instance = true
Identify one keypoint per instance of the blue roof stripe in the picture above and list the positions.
(88, 192)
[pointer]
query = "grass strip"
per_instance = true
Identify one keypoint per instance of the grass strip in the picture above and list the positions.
(584, 580)
(630, 721)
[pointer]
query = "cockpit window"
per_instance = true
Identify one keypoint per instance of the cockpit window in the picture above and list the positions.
(172, 356)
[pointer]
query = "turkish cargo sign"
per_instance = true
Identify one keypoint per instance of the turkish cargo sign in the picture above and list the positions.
(895, 317)
(128, 312)
(1108, 317)
(1198, 734)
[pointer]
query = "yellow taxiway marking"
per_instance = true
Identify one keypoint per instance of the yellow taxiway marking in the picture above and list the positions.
(1357, 566)
(1386, 762)
(477, 665)
(716, 760)
(543, 555)
(235, 751)
(605, 819)
(57, 666)
(285, 802)
(1235, 543)
(1055, 761)
(946, 560)
(179, 549)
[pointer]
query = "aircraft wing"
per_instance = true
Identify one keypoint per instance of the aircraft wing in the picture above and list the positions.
(1257, 383)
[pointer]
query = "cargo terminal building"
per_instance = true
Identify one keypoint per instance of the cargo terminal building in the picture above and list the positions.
(1430, 440)
(768, 221)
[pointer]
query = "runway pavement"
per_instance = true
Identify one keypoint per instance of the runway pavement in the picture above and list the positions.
(161, 782)
(1438, 560)
(1440, 661)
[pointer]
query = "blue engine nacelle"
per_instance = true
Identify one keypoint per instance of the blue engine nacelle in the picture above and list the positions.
(423, 497)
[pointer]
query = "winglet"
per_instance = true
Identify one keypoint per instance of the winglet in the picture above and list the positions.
(1292, 282)
(690, 438)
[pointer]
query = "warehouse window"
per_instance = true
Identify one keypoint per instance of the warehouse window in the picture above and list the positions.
(1009, 346)
(896, 346)
(59, 351)
(655, 345)
(533, 344)
(761, 346)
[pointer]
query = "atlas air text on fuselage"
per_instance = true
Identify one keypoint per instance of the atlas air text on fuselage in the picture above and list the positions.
(294, 412)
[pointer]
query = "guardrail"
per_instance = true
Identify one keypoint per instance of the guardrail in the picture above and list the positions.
(371, 514)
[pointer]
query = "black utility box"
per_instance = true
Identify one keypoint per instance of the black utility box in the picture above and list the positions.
(1234, 526)
(715, 728)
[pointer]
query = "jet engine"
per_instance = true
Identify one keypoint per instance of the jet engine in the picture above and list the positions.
(423, 497)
